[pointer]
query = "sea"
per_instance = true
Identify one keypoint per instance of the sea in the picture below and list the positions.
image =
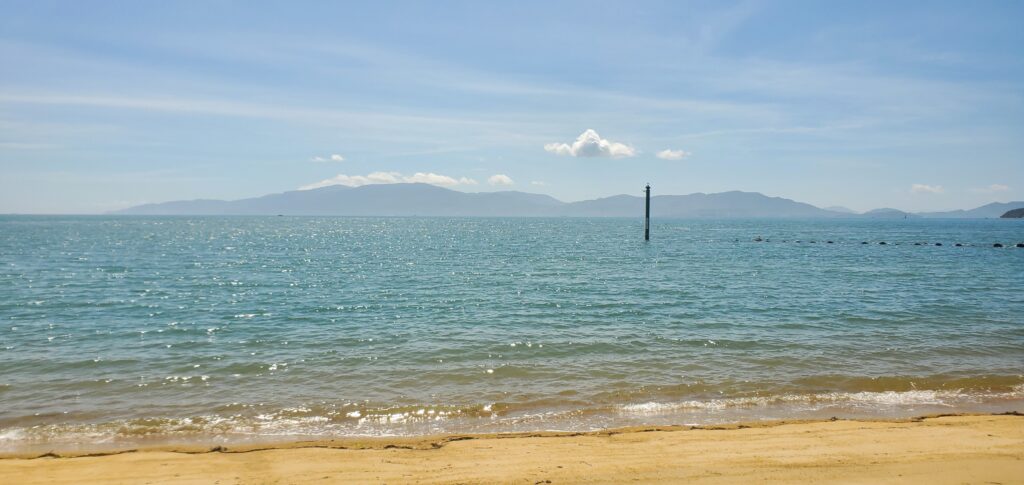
(123, 331)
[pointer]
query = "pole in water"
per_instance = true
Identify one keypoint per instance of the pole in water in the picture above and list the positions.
(647, 214)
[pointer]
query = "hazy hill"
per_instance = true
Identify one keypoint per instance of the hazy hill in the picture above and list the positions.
(887, 213)
(994, 209)
(369, 200)
(1014, 214)
(724, 204)
(429, 200)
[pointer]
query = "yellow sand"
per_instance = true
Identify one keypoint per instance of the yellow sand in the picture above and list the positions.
(953, 449)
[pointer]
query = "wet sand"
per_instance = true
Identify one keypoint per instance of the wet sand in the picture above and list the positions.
(949, 449)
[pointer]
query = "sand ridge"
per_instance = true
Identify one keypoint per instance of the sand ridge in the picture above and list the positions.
(943, 449)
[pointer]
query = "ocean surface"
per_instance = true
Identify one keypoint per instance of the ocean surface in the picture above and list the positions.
(127, 331)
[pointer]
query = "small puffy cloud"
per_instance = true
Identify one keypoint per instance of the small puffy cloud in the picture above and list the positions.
(590, 144)
(334, 157)
(926, 189)
(669, 154)
(500, 179)
(390, 178)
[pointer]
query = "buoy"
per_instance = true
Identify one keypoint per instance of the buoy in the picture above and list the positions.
(828, 242)
(958, 245)
(864, 242)
(917, 244)
(938, 244)
(881, 243)
(997, 245)
(1020, 245)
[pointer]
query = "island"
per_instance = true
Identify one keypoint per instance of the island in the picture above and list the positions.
(1013, 214)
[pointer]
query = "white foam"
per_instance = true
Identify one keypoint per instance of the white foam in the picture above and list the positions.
(863, 399)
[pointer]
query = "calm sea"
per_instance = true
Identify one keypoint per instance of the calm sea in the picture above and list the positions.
(119, 331)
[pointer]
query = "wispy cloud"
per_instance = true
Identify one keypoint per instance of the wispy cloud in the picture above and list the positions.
(926, 189)
(669, 154)
(500, 179)
(435, 179)
(590, 144)
(332, 158)
(390, 178)
(996, 188)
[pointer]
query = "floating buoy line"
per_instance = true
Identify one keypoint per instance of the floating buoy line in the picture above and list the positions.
(885, 243)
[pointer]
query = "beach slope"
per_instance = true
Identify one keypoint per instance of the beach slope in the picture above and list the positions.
(950, 449)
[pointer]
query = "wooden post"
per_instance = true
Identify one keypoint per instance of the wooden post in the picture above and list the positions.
(647, 214)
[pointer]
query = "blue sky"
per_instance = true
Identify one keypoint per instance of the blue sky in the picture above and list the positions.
(913, 105)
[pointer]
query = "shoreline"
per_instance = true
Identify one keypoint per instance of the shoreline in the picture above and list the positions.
(946, 448)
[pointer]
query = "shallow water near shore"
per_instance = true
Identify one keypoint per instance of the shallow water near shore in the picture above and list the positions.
(119, 331)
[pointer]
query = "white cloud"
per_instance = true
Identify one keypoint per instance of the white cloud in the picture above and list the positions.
(590, 144)
(500, 179)
(991, 189)
(669, 154)
(334, 157)
(537, 182)
(995, 187)
(390, 178)
(435, 179)
(926, 189)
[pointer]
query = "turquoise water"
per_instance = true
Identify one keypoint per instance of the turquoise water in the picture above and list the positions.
(116, 331)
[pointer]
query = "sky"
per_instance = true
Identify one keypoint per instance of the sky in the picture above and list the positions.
(913, 105)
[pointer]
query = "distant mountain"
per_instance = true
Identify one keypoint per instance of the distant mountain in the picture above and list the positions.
(888, 213)
(1014, 214)
(992, 210)
(724, 204)
(429, 200)
(368, 200)
(841, 209)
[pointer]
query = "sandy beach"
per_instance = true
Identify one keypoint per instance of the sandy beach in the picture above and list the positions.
(947, 449)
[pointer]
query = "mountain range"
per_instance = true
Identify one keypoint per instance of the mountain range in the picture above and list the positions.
(430, 200)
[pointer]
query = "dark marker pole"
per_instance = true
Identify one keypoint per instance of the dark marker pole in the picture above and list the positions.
(647, 214)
